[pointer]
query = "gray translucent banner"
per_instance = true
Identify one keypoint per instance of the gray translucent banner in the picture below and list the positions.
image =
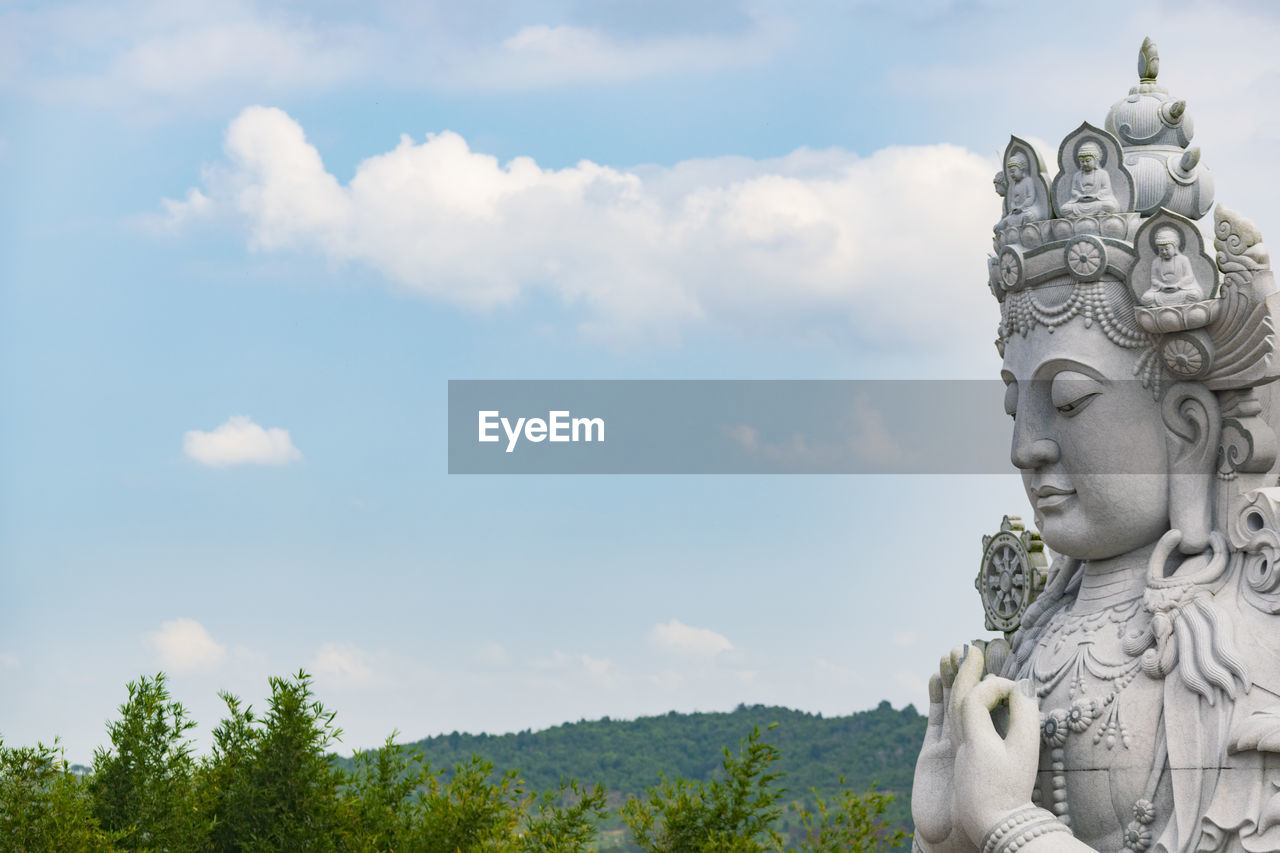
(742, 427)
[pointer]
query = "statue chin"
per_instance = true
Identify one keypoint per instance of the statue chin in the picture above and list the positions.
(1077, 538)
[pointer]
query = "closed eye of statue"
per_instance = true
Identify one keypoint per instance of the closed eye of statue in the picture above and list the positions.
(1072, 392)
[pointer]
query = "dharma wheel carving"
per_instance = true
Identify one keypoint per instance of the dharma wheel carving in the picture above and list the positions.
(1012, 574)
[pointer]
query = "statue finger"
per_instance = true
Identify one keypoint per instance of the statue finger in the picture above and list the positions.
(946, 675)
(1024, 716)
(976, 708)
(947, 668)
(968, 675)
(937, 710)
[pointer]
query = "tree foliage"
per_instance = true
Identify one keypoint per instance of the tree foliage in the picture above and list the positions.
(733, 814)
(276, 789)
(270, 783)
(739, 811)
(378, 802)
(43, 806)
(627, 756)
(143, 786)
(849, 822)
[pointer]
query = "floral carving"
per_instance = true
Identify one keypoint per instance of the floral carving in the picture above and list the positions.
(1054, 728)
(1081, 714)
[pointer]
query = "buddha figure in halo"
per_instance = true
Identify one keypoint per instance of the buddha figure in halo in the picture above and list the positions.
(1137, 705)
(1172, 280)
(1018, 188)
(1091, 192)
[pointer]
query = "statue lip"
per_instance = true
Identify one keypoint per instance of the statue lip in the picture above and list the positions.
(1048, 497)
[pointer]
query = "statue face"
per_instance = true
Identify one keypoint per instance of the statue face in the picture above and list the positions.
(1167, 250)
(1088, 161)
(1089, 440)
(1015, 170)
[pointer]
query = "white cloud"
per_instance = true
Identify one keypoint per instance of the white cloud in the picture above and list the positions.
(674, 636)
(8, 660)
(183, 645)
(343, 663)
(240, 441)
(828, 673)
(667, 681)
(179, 213)
(865, 443)
(184, 56)
(822, 238)
(204, 54)
(870, 438)
(540, 55)
(745, 436)
(914, 687)
(491, 654)
(601, 670)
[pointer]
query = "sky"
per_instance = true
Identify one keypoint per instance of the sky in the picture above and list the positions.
(245, 246)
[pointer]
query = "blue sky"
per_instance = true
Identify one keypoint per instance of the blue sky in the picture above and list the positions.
(244, 247)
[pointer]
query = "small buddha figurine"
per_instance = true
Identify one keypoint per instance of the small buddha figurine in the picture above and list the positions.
(1020, 193)
(1172, 280)
(1001, 183)
(1090, 187)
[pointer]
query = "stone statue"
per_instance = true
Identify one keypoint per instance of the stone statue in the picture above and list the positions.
(1135, 704)
(1023, 189)
(1172, 280)
(1090, 187)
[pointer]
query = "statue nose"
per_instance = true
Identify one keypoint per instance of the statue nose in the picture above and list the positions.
(1034, 454)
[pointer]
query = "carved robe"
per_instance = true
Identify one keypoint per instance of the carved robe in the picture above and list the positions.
(1023, 203)
(1172, 282)
(1155, 765)
(1090, 194)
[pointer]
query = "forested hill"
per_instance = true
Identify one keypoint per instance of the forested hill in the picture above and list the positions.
(868, 747)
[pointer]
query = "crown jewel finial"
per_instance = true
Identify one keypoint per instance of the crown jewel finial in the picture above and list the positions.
(1148, 61)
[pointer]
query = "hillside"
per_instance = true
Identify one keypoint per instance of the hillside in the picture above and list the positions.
(878, 746)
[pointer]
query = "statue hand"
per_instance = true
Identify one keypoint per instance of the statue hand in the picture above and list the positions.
(933, 791)
(994, 775)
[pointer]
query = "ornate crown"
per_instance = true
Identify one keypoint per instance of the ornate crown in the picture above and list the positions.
(1113, 239)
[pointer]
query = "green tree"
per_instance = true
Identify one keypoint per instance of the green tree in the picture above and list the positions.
(44, 808)
(270, 782)
(377, 798)
(143, 785)
(851, 822)
(733, 814)
(473, 810)
(557, 827)
(225, 793)
(470, 811)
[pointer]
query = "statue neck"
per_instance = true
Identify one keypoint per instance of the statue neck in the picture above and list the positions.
(1106, 583)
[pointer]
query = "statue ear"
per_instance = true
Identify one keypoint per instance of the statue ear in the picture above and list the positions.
(1193, 425)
